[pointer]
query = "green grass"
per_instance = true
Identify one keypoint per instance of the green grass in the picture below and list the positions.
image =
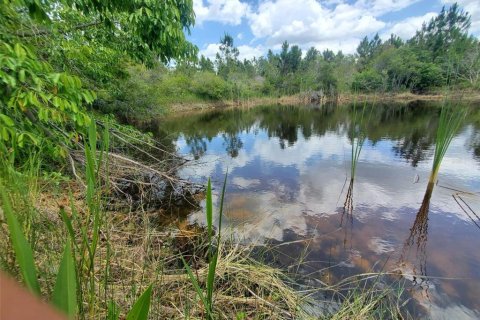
(358, 136)
(451, 117)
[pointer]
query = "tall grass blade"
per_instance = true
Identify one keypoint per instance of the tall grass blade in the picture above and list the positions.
(209, 212)
(213, 252)
(113, 312)
(141, 308)
(23, 251)
(448, 125)
(68, 224)
(212, 266)
(65, 291)
(199, 290)
(222, 199)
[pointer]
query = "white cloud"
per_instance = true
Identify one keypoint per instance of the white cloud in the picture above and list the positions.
(245, 51)
(380, 7)
(472, 7)
(210, 50)
(248, 52)
(406, 29)
(308, 22)
(333, 24)
(224, 11)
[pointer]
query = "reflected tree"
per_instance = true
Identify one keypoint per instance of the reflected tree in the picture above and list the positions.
(198, 146)
(414, 148)
(233, 144)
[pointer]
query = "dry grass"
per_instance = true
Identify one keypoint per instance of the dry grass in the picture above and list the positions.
(140, 253)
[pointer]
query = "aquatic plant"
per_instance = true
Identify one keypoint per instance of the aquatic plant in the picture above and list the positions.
(449, 122)
(358, 137)
(213, 251)
(370, 297)
(451, 117)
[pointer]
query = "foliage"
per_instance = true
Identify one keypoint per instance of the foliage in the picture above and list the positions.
(441, 53)
(50, 49)
(443, 32)
(227, 58)
(34, 98)
(368, 81)
(208, 85)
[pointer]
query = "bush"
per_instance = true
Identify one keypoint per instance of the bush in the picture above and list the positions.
(429, 75)
(208, 85)
(368, 80)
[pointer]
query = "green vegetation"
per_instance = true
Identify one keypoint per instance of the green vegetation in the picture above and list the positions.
(73, 270)
(450, 120)
(358, 137)
(442, 53)
(81, 227)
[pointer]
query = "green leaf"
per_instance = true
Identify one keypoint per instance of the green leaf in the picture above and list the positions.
(199, 291)
(141, 307)
(34, 139)
(23, 251)
(21, 75)
(7, 120)
(113, 312)
(209, 211)
(65, 291)
(20, 51)
(68, 223)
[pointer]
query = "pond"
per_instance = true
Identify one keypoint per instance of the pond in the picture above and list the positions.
(288, 172)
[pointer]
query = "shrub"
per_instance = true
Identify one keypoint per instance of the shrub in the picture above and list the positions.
(368, 80)
(209, 85)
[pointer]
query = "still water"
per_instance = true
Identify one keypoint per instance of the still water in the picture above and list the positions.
(288, 176)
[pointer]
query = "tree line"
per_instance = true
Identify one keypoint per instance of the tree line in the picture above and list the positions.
(442, 53)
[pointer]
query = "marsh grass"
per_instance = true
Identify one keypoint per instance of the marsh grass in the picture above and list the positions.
(109, 258)
(451, 117)
(372, 300)
(358, 136)
(212, 251)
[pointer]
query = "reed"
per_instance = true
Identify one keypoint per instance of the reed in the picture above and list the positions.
(358, 136)
(451, 117)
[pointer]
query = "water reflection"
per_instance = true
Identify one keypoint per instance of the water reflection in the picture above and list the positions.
(288, 167)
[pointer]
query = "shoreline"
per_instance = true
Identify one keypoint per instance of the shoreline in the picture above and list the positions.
(299, 99)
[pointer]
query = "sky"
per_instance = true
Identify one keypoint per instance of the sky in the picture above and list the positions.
(259, 25)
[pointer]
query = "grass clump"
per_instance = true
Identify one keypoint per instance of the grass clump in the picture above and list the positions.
(451, 117)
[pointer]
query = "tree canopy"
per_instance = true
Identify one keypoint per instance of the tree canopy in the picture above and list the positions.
(55, 57)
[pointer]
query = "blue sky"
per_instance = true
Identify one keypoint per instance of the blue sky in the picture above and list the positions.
(335, 24)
